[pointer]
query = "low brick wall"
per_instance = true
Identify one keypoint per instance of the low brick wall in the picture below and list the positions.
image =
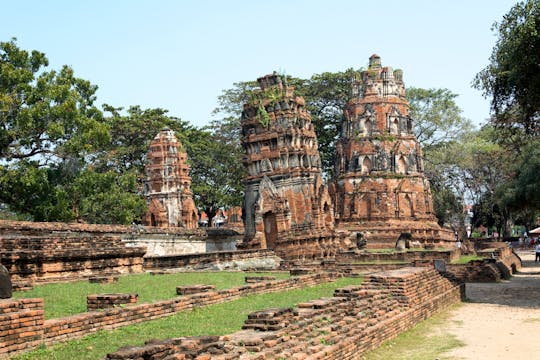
(500, 263)
(21, 324)
(51, 258)
(405, 256)
(76, 326)
(223, 260)
(107, 301)
(355, 320)
(41, 228)
(475, 271)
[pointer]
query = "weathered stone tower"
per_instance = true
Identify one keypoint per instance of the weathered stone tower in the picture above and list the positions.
(380, 189)
(287, 206)
(167, 188)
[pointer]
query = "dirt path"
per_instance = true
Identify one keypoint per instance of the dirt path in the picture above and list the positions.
(502, 320)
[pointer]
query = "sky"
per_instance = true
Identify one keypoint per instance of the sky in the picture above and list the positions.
(180, 55)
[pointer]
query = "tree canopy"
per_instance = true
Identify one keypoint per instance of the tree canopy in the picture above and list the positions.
(512, 78)
(45, 116)
(63, 159)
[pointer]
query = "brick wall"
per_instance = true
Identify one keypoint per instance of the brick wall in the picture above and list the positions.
(409, 256)
(40, 228)
(500, 263)
(76, 326)
(21, 324)
(355, 320)
(242, 259)
(63, 257)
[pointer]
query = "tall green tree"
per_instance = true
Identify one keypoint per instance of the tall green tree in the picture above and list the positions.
(438, 125)
(50, 132)
(216, 170)
(438, 120)
(45, 116)
(326, 95)
(512, 78)
(131, 133)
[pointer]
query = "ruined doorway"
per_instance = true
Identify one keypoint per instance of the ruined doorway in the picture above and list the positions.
(364, 207)
(153, 221)
(270, 229)
(406, 206)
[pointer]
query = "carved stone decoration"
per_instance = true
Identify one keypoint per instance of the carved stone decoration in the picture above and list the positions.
(287, 206)
(167, 188)
(394, 176)
(6, 288)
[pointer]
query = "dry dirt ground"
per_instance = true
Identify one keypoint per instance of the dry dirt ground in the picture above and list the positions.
(500, 320)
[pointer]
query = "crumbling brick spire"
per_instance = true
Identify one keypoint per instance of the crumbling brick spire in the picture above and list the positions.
(287, 206)
(380, 187)
(167, 188)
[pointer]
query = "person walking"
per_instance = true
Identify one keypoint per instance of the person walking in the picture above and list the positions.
(537, 252)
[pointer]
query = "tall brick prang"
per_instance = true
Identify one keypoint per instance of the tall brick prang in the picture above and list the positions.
(287, 206)
(380, 189)
(167, 189)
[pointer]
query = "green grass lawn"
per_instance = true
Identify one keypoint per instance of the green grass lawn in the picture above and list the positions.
(218, 319)
(63, 299)
(464, 259)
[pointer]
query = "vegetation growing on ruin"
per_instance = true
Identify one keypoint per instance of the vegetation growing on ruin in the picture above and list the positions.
(464, 259)
(199, 321)
(70, 298)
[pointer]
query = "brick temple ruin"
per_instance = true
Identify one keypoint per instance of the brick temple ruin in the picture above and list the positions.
(167, 189)
(380, 192)
(380, 188)
(287, 206)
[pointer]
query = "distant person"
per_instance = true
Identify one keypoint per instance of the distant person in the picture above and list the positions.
(537, 252)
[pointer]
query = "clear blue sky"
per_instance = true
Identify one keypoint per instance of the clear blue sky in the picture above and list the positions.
(179, 55)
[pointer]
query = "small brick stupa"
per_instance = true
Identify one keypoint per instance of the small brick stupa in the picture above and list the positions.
(287, 206)
(381, 190)
(167, 189)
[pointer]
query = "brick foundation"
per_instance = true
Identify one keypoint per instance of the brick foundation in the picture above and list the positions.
(21, 324)
(239, 260)
(194, 289)
(51, 258)
(72, 327)
(355, 320)
(107, 301)
(51, 252)
(500, 263)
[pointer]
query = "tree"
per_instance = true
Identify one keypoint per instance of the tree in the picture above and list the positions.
(45, 116)
(512, 78)
(216, 169)
(520, 194)
(131, 135)
(62, 159)
(438, 125)
(326, 95)
(106, 198)
(437, 117)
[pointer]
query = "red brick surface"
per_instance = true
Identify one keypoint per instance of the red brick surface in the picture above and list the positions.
(380, 188)
(167, 190)
(355, 320)
(287, 206)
